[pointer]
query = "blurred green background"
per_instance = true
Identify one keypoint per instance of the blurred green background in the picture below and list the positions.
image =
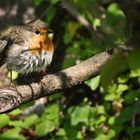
(106, 107)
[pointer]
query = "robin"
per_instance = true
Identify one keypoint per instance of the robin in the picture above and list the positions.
(26, 48)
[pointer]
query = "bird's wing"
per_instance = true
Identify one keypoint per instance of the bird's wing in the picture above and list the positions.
(3, 49)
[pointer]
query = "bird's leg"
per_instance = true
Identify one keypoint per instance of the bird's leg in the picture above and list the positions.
(11, 77)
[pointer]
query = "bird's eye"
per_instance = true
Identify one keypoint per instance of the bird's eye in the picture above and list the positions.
(37, 32)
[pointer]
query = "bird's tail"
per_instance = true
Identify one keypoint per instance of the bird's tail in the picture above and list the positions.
(3, 44)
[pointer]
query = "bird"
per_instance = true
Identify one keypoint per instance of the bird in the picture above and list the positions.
(26, 48)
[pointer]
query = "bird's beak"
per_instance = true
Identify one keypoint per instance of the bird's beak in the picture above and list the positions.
(50, 33)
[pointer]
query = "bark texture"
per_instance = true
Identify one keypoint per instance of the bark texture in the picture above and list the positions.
(12, 97)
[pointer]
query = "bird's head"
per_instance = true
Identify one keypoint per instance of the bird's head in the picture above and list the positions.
(38, 27)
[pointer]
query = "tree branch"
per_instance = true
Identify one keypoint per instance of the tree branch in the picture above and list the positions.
(75, 13)
(12, 97)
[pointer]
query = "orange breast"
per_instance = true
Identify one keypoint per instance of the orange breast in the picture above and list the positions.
(41, 43)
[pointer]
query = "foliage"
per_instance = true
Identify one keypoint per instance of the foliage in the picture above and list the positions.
(104, 107)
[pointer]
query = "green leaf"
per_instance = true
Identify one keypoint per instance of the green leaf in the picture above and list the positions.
(111, 97)
(115, 92)
(16, 112)
(4, 120)
(61, 132)
(51, 113)
(123, 79)
(117, 127)
(130, 97)
(101, 137)
(133, 60)
(125, 115)
(18, 123)
(68, 62)
(31, 120)
(94, 82)
(96, 23)
(50, 13)
(115, 65)
(111, 134)
(132, 130)
(71, 131)
(45, 127)
(100, 109)
(79, 114)
(79, 135)
(121, 88)
(111, 120)
(49, 120)
(134, 73)
(72, 27)
(92, 117)
(37, 2)
(101, 119)
(12, 134)
(55, 97)
(54, 1)
(114, 14)
(67, 38)
(112, 88)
